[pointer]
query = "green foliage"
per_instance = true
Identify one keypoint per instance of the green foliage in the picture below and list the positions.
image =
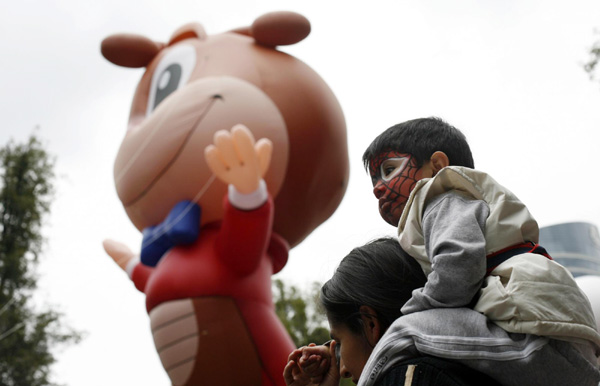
(300, 314)
(346, 382)
(302, 317)
(591, 65)
(26, 335)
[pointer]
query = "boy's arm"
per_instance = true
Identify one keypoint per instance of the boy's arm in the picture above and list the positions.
(453, 228)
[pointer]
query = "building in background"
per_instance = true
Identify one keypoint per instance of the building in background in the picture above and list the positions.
(575, 245)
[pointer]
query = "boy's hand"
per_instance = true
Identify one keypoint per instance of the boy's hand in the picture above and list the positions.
(315, 362)
(312, 365)
(292, 373)
(236, 159)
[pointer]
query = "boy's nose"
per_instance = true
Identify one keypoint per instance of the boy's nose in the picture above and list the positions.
(378, 190)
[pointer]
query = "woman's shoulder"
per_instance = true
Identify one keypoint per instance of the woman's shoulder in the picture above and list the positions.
(428, 371)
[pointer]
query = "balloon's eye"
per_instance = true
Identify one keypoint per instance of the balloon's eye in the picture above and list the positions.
(173, 71)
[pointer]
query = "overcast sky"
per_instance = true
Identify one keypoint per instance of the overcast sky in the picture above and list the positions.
(507, 73)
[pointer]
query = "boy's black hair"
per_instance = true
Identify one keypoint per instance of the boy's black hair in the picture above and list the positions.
(421, 138)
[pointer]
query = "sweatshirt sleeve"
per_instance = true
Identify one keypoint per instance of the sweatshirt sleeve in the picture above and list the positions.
(454, 232)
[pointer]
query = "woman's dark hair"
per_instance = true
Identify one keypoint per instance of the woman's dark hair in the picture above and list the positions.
(378, 274)
(421, 138)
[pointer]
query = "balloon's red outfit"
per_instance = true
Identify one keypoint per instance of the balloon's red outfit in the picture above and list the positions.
(233, 258)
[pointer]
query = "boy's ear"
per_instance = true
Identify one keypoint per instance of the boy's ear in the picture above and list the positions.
(371, 324)
(439, 160)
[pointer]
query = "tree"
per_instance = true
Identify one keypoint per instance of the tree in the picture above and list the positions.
(27, 335)
(591, 65)
(300, 314)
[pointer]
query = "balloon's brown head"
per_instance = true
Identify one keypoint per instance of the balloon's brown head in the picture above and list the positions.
(197, 84)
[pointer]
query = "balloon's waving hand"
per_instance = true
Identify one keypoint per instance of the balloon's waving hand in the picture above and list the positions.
(236, 159)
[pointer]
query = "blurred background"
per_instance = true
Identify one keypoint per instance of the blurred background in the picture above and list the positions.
(509, 74)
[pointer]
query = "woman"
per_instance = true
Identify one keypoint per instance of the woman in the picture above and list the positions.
(361, 300)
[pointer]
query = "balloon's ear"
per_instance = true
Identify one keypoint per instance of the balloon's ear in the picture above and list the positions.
(277, 29)
(129, 50)
(188, 31)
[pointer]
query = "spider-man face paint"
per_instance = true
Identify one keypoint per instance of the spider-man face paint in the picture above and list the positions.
(394, 176)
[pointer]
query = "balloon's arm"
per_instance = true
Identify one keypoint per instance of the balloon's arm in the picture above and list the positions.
(119, 252)
(239, 161)
(245, 234)
(129, 262)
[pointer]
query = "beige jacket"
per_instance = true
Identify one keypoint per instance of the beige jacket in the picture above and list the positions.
(528, 293)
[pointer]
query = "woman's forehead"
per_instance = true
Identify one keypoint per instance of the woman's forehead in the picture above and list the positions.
(338, 329)
(334, 329)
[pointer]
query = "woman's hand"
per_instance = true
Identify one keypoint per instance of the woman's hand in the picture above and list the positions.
(312, 365)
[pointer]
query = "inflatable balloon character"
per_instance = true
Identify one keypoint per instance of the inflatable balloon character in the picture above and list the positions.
(217, 210)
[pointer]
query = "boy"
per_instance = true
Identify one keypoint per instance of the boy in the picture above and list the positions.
(477, 244)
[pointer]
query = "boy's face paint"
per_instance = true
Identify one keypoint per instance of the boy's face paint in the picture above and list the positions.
(394, 176)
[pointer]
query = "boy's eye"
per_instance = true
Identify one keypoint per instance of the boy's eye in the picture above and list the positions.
(392, 167)
(388, 170)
